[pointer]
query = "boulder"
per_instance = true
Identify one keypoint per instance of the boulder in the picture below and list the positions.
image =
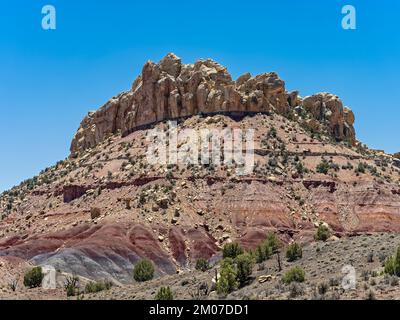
(262, 279)
(49, 281)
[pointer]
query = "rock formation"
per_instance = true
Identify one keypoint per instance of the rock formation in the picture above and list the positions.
(96, 214)
(171, 90)
(328, 108)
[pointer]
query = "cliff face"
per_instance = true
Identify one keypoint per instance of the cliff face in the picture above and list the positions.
(175, 215)
(171, 90)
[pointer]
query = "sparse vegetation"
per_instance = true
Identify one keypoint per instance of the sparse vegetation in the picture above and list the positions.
(296, 290)
(300, 168)
(348, 166)
(143, 271)
(295, 274)
(33, 278)
(392, 264)
(361, 168)
(323, 167)
(164, 293)
(202, 264)
(273, 242)
(265, 250)
(269, 247)
(323, 233)
(262, 253)
(227, 281)
(231, 250)
(323, 288)
(272, 133)
(98, 286)
(294, 252)
(71, 286)
(244, 263)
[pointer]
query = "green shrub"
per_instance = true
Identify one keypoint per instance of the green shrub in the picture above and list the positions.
(295, 274)
(392, 264)
(259, 254)
(71, 286)
(265, 250)
(272, 132)
(294, 252)
(164, 293)
(323, 233)
(33, 278)
(227, 281)
(93, 287)
(143, 271)
(389, 266)
(202, 264)
(300, 168)
(361, 167)
(323, 167)
(231, 250)
(397, 263)
(272, 242)
(244, 265)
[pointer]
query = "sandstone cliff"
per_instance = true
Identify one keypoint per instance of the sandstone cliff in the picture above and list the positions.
(171, 90)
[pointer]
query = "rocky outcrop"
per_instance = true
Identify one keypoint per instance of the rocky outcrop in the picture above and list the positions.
(328, 109)
(170, 90)
(396, 162)
(309, 184)
(72, 192)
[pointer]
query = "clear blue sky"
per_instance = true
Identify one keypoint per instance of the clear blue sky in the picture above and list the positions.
(50, 79)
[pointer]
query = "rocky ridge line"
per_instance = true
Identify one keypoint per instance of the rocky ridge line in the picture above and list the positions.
(172, 90)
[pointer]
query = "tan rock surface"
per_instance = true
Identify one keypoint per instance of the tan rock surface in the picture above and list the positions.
(170, 90)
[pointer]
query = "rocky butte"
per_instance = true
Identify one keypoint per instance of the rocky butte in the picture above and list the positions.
(104, 208)
(172, 90)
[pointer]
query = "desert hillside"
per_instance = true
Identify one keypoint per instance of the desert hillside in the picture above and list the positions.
(105, 207)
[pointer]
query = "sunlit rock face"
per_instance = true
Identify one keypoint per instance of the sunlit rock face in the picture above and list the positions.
(171, 90)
